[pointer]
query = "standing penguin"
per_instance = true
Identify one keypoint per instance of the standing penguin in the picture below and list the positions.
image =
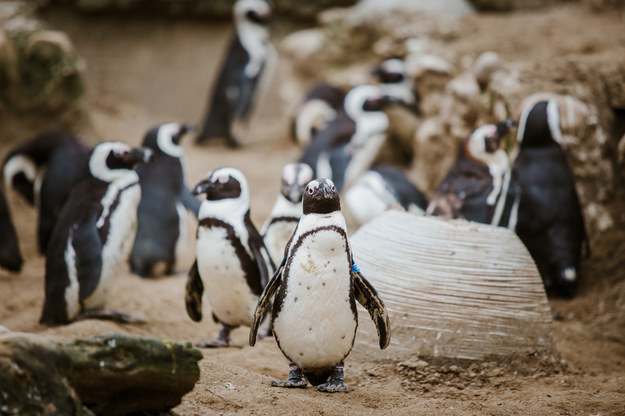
(161, 217)
(10, 255)
(236, 88)
(478, 186)
(287, 210)
(44, 171)
(380, 188)
(396, 82)
(92, 237)
(319, 107)
(314, 315)
(230, 255)
(550, 220)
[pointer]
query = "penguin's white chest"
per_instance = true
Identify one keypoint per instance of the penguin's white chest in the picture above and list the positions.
(277, 236)
(120, 211)
(224, 281)
(316, 325)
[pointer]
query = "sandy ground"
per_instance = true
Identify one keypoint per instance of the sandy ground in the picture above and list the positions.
(143, 72)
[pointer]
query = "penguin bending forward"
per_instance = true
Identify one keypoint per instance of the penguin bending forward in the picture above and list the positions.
(92, 237)
(287, 210)
(237, 86)
(231, 259)
(550, 220)
(161, 217)
(316, 287)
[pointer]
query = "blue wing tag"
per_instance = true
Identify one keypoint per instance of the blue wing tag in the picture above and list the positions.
(355, 268)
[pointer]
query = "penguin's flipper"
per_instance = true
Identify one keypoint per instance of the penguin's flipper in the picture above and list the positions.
(85, 241)
(189, 201)
(193, 294)
(368, 297)
(264, 301)
(261, 256)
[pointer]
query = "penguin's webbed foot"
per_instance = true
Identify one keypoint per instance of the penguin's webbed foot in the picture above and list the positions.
(335, 383)
(110, 315)
(296, 379)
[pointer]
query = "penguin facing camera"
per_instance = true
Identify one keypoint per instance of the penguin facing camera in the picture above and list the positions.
(10, 254)
(236, 89)
(231, 260)
(314, 316)
(550, 220)
(162, 215)
(287, 210)
(93, 236)
(478, 186)
(379, 189)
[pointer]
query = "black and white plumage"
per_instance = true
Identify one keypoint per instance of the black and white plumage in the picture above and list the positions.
(287, 210)
(43, 171)
(231, 259)
(319, 107)
(161, 216)
(236, 88)
(395, 82)
(10, 254)
(550, 219)
(316, 287)
(379, 189)
(478, 185)
(93, 236)
(350, 145)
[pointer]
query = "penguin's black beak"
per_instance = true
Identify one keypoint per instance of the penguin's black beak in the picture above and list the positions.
(326, 191)
(184, 129)
(201, 187)
(493, 142)
(504, 127)
(259, 17)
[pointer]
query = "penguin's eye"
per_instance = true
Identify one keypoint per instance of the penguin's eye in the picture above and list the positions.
(333, 188)
(310, 191)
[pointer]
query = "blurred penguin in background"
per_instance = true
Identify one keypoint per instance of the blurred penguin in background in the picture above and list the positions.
(162, 214)
(550, 220)
(236, 90)
(319, 107)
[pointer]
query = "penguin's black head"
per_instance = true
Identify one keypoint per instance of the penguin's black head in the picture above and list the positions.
(540, 125)
(127, 158)
(254, 11)
(321, 197)
(391, 71)
(165, 138)
(111, 160)
(223, 183)
(295, 176)
(487, 138)
(379, 102)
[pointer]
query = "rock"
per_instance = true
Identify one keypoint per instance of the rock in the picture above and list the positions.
(484, 66)
(418, 65)
(597, 218)
(301, 46)
(112, 374)
(434, 154)
(464, 87)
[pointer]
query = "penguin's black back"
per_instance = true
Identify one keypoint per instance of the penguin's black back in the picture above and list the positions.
(550, 221)
(10, 255)
(158, 221)
(336, 134)
(77, 218)
(405, 191)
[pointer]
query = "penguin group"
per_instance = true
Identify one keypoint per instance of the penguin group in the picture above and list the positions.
(294, 278)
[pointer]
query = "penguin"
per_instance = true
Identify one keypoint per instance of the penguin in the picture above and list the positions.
(93, 236)
(236, 88)
(478, 185)
(395, 82)
(43, 171)
(319, 107)
(10, 254)
(342, 162)
(379, 189)
(161, 216)
(231, 259)
(316, 287)
(550, 220)
(287, 210)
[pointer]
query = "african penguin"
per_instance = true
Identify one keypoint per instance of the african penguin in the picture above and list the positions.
(380, 188)
(44, 170)
(345, 162)
(10, 255)
(314, 314)
(395, 82)
(287, 210)
(550, 221)
(161, 216)
(231, 259)
(236, 87)
(93, 236)
(318, 108)
(478, 185)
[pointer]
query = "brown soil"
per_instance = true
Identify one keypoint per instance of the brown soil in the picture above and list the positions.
(143, 72)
